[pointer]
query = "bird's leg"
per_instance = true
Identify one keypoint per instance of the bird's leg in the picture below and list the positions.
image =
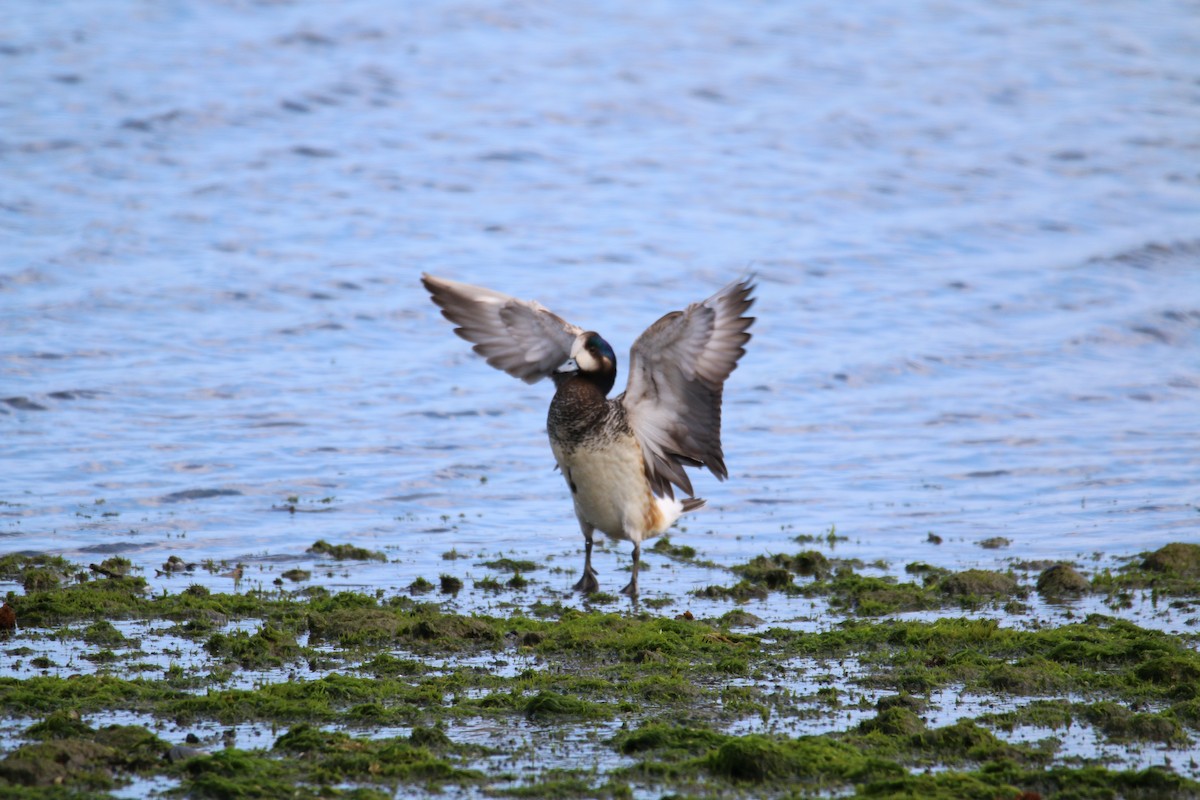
(632, 589)
(588, 583)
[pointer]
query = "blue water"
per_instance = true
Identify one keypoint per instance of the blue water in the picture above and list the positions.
(976, 230)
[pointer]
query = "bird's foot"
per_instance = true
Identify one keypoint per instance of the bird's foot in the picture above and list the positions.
(588, 583)
(631, 589)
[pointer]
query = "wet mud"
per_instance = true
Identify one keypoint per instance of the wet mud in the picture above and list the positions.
(948, 685)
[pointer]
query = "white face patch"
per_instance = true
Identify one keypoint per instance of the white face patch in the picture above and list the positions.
(586, 361)
(594, 359)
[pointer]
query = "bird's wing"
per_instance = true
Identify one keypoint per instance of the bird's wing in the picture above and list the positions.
(677, 370)
(521, 337)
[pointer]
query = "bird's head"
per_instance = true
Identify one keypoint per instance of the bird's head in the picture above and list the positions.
(591, 358)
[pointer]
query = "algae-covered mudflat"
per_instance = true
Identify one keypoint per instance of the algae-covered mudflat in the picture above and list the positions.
(1047, 680)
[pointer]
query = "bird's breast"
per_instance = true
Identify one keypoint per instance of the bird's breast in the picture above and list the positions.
(608, 484)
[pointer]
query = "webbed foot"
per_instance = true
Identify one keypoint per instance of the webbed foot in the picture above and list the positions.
(588, 583)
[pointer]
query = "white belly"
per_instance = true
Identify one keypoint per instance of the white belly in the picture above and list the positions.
(611, 491)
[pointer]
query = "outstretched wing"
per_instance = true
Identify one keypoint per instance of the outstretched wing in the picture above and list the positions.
(521, 337)
(677, 371)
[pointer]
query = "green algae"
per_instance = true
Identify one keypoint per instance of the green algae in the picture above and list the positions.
(679, 552)
(1176, 560)
(551, 704)
(16, 567)
(994, 543)
(779, 570)
(556, 783)
(758, 759)
(1173, 571)
(1003, 781)
(1122, 725)
(59, 725)
(812, 574)
(79, 756)
(420, 586)
(236, 774)
(103, 632)
(741, 592)
(977, 584)
(510, 565)
(60, 762)
(878, 761)
(674, 684)
(831, 537)
(345, 552)
(669, 742)
(104, 598)
(893, 721)
(1062, 580)
(664, 546)
(871, 597)
(1099, 654)
(869, 760)
(267, 647)
(739, 618)
(361, 621)
(333, 757)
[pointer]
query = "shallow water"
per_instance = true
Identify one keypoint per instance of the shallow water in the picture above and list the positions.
(976, 233)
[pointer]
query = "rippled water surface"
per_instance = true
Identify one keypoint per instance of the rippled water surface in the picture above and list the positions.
(976, 231)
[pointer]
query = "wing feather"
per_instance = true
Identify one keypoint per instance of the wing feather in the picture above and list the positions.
(521, 337)
(677, 372)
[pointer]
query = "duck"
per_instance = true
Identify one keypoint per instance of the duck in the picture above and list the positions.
(622, 457)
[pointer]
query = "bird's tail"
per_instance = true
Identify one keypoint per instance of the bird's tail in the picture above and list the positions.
(666, 510)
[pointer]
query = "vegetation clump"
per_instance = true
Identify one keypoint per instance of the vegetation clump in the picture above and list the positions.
(666, 547)
(757, 758)
(510, 565)
(978, 583)
(551, 704)
(1176, 560)
(102, 632)
(1171, 570)
(51, 602)
(345, 552)
(267, 647)
(741, 592)
(81, 757)
(848, 590)
(668, 741)
(1062, 580)
(994, 543)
